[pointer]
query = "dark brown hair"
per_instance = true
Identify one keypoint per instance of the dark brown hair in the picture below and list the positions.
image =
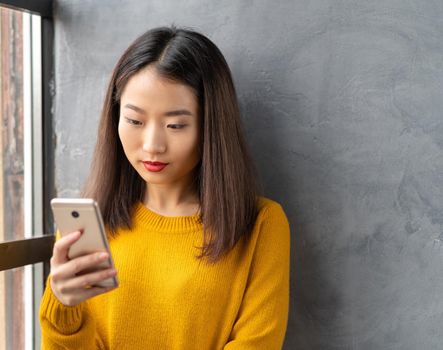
(225, 178)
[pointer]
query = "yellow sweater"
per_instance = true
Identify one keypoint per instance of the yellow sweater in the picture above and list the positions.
(168, 299)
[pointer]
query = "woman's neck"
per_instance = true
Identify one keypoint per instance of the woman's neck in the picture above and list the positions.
(171, 202)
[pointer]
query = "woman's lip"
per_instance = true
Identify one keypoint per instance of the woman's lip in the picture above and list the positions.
(154, 167)
(155, 163)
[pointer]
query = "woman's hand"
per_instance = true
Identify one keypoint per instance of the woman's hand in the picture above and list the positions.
(69, 287)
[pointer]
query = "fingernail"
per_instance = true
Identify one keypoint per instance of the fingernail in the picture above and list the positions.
(103, 255)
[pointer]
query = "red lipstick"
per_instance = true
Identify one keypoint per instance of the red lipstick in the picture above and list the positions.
(154, 166)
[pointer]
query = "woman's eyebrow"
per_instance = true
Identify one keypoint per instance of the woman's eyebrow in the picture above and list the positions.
(135, 108)
(178, 112)
(167, 114)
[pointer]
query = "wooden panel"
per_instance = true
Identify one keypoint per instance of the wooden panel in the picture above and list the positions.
(26, 251)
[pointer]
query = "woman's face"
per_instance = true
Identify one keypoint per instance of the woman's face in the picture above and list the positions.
(159, 122)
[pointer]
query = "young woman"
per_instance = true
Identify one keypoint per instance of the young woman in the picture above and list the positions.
(202, 258)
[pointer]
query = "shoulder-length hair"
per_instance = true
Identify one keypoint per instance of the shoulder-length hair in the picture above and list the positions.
(225, 179)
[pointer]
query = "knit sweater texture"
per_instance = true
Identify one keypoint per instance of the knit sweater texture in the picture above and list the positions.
(169, 299)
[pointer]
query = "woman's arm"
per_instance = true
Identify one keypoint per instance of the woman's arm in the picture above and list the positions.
(66, 327)
(65, 320)
(263, 315)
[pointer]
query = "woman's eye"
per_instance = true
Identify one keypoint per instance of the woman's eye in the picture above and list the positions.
(133, 121)
(176, 126)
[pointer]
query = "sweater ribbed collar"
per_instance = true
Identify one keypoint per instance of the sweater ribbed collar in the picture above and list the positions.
(171, 224)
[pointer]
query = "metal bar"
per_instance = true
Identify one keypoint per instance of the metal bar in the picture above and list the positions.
(40, 7)
(49, 143)
(26, 251)
(37, 172)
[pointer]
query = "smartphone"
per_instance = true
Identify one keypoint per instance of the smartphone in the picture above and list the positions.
(83, 214)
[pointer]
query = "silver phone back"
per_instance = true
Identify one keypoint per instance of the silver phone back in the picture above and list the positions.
(83, 214)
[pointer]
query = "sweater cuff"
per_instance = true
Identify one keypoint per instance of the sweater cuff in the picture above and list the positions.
(67, 319)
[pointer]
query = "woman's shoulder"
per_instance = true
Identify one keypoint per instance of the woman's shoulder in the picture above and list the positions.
(269, 208)
(265, 203)
(272, 227)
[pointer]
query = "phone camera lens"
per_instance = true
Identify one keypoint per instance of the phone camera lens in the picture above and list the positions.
(75, 214)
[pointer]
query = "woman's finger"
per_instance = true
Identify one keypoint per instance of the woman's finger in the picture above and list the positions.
(87, 280)
(61, 247)
(75, 266)
(80, 295)
(92, 292)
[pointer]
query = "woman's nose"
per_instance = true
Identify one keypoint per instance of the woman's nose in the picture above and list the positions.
(154, 140)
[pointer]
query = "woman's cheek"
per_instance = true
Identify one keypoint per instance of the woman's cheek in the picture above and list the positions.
(125, 136)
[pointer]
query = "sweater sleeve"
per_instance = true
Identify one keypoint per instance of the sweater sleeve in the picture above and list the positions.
(66, 327)
(263, 315)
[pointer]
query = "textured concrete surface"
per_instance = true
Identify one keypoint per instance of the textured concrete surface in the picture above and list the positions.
(342, 102)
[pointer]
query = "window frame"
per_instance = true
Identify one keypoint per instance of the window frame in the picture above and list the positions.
(40, 7)
(38, 248)
(17, 247)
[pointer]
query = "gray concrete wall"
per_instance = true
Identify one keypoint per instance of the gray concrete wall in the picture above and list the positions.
(342, 102)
